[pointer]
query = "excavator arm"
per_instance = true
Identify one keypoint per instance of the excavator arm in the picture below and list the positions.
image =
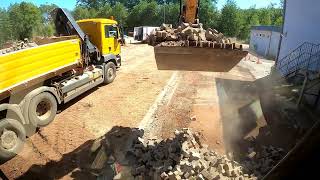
(189, 11)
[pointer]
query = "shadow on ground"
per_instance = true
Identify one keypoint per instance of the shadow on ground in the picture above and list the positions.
(100, 158)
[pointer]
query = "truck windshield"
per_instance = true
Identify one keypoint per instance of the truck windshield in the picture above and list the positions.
(111, 31)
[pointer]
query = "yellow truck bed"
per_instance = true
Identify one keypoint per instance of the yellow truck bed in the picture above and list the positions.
(18, 68)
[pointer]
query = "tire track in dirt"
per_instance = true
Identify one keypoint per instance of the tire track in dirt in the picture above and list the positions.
(150, 122)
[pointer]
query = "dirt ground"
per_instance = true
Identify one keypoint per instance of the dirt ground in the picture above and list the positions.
(158, 101)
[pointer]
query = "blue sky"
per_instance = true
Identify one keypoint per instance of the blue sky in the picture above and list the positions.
(69, 4)
(244, 4)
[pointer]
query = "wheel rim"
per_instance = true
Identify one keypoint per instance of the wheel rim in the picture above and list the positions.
(44, 109)
(9, 139)
(110, 73)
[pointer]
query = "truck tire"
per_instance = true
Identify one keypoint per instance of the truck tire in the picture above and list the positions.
(12, 138)
(42, 109)
(110, 72)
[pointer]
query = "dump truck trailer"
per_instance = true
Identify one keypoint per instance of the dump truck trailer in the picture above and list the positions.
(35, 81)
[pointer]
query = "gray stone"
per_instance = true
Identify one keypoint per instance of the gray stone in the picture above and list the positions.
(207, 175)
(164, 175)
(213, 162)
(141, 169)
(227, 167)
(200, 177)
(138, 178)
(194, 164)
(239, 178)
(204, 164)
(193, 118)
(177, 132)
(251, 155)
(194, 156)
(235, 172)
(186, 175)
(221, 169)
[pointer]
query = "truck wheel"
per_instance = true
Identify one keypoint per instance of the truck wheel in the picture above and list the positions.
(110, 72)
(42, 109)
(12, 138)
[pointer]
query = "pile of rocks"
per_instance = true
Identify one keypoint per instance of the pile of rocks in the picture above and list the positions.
(17, 45)
(182, 157)
(185, 32)
(262, 161)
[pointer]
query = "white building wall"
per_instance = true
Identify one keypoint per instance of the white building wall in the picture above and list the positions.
(147, 31)
(301, 25)
(141, 33)
(264, 43)
(259, 41)
(274, 45)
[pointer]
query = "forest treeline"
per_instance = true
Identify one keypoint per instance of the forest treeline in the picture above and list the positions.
(25, 20)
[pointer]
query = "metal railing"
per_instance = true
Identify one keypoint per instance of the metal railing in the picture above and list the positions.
(303, 61)
(300, 57)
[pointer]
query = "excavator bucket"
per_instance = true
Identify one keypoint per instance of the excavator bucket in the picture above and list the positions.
(198, 58)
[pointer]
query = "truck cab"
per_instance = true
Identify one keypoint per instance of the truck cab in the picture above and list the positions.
(105, 35)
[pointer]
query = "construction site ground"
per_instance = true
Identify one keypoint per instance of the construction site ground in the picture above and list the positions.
(212, 103)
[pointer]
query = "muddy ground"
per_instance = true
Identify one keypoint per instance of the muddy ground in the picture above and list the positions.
(159, 101)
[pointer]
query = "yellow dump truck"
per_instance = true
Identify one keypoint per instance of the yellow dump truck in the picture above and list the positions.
(35, 81)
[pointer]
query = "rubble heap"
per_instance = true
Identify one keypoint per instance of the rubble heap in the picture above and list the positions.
(261, 162)
(182, 157)
(17, 45)
(185, 32)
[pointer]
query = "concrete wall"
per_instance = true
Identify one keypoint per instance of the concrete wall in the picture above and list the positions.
(264, 43)
(301, 25)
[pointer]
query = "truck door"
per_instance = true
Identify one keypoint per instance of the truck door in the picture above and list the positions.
(112, 44)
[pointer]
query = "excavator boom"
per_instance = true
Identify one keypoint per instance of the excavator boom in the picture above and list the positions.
(189, 11)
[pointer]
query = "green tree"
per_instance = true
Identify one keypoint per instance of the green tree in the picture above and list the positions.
(229, 21)
(276, 14)
(168, 1)
(145, 13)
(265, 17)
(171, 11)
(127, 3)
(95, 4)
(46, 27)
(105, 11)
(26, 17)
(84, 13)
(5, 27)
(46, 10)
(208, 14)
(120, 13)
(278, 21)
(248, 18)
